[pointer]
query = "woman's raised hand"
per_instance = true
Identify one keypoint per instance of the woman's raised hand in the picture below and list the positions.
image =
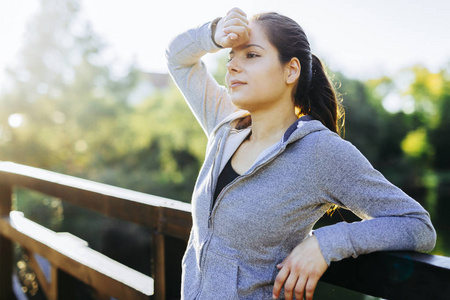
(232, 30)
(300, 271)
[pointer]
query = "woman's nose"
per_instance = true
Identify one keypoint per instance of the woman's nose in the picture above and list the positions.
(233, 66)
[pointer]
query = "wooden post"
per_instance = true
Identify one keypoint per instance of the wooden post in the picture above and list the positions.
(6, 247)
(159, 267)
(47, 287)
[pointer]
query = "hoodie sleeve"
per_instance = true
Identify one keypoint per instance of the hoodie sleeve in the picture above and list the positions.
(208, 100)
(391, 219)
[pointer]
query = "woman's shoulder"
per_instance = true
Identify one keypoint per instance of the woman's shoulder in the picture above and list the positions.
(336, 152)
(323, 138)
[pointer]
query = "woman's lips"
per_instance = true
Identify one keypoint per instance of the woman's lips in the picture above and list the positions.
(236, 83)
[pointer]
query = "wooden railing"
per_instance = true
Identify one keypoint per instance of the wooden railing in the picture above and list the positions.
(169, 220)
(389, 275)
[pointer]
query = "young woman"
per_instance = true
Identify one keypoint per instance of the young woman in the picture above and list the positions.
(274, 165)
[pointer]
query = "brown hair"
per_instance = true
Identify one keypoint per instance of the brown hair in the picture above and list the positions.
(314, 94)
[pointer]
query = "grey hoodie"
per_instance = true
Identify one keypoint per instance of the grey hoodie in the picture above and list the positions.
(263, 214)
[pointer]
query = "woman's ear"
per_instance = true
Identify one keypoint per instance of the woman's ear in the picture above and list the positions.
(293, 69)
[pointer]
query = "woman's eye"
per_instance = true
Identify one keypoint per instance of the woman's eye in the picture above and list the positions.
(252, 55)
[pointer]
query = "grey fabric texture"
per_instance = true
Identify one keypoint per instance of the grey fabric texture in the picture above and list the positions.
(262, 215)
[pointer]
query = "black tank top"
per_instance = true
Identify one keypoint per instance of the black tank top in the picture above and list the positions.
(226, 176)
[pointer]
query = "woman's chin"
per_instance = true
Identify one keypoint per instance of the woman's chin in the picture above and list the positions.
(239, 103)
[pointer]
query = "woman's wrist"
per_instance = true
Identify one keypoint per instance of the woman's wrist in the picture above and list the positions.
(213, 30)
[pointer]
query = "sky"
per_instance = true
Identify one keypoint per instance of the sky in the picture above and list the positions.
(362, 39)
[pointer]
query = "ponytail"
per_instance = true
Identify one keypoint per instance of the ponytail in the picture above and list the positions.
(318, 99)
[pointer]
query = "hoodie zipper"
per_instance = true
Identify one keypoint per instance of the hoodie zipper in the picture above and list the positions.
(211, 205)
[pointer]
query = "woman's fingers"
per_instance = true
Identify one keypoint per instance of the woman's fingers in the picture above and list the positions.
(310, 288)
(300, 287)
(236, 11)
(295, 283)
(235, 23)
(235, 15)
(300, 271)
(237, 32)
(289, 286)
(232, 30)
(279, 282)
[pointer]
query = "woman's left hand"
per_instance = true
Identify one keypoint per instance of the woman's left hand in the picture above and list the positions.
(300, 271)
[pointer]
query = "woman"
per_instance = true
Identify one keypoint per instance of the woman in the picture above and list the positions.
(274, 165)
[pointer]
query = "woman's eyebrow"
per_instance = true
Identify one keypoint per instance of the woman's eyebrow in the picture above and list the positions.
(248, 46)
(252, 45)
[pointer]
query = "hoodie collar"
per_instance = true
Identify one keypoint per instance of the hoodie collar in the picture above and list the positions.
(302, 127)
(294, 127)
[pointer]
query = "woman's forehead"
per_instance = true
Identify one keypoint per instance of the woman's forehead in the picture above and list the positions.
(256, 31)
(257, 36)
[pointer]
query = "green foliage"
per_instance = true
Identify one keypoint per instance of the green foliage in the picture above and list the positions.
(415, 144)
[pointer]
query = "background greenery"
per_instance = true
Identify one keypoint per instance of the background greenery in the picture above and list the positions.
(77, 118)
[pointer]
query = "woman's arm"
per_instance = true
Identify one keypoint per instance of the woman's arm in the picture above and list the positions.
(392, 219)
(208, 100)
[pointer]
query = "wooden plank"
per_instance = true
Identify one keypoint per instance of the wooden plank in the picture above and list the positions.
(109, 200)
(393, 275)
(73, 257)
(6, 247)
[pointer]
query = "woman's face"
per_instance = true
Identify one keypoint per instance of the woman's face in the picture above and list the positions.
(255, 77)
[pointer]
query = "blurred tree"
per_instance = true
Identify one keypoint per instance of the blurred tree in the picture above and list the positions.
(68, 98)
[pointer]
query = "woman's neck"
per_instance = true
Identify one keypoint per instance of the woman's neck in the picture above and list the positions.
(269, 126)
